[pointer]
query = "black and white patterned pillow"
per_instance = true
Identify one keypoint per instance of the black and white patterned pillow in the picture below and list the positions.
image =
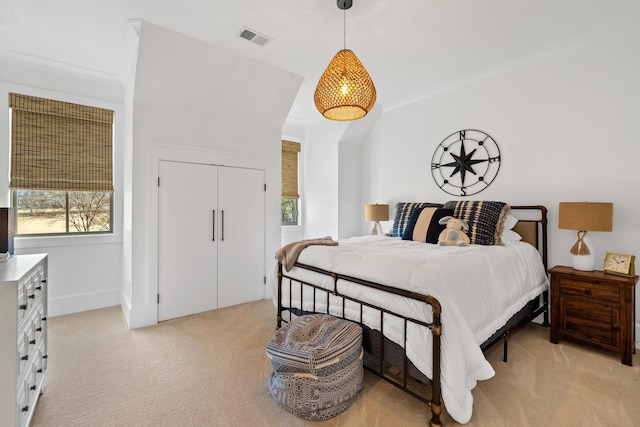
(485, 218)
(403, 213)
(424, 225)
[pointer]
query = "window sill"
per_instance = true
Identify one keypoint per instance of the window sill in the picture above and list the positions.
(24, 242)
(291, 228)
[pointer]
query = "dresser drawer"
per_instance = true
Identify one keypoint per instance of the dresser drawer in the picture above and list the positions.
(23, 356)
(40, 363)
(592, 322)
(22, 404)
(40, 323)
(592, 289)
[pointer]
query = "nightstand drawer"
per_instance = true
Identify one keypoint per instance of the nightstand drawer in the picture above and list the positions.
(596, 290)
(596, 323)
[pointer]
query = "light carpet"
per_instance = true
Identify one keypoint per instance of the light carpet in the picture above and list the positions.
(210, 369)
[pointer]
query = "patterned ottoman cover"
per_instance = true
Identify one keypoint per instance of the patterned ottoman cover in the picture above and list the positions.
(317, 365)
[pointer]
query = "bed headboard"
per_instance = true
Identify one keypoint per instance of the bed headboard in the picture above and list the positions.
(532, 226)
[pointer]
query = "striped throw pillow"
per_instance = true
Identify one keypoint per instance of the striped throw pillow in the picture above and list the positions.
(403, 213)
(423, 225)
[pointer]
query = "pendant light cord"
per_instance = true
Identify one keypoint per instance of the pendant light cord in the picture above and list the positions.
(344, 28)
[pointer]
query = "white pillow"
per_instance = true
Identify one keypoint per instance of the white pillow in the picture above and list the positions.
(510, 236)
(510, 222)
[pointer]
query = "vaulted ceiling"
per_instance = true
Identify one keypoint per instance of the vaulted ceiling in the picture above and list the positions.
(411, 48)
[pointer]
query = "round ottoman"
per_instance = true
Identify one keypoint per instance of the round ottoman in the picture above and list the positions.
(317, 365)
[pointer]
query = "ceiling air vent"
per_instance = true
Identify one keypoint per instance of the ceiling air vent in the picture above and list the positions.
(253, 36)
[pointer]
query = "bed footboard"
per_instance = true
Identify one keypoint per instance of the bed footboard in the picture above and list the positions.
(381, 360)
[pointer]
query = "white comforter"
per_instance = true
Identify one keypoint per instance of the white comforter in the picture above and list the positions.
(479, 289)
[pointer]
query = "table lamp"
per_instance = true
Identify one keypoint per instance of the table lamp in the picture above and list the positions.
(583, 217)
(376, 213)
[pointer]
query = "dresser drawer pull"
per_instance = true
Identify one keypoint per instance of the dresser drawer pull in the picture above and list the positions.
(25, 409)
(23, 307)
(39, 329)
(39, 371)
(38, 288)
(45, 356)
(616, 328)
(32, 342)
(32, 296)
(25, 357)
(33, 387)
(587, 291)
(44, 319)
(44, 280)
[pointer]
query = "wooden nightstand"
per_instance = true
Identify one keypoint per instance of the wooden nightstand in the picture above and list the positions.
(594, 307)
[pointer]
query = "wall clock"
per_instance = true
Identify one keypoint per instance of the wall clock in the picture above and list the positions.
(466, 162)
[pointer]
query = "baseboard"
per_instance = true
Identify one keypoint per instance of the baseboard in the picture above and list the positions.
(68, 304)
(638, 336)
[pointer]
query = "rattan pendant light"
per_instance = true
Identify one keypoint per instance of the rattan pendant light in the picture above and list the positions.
(345, 90)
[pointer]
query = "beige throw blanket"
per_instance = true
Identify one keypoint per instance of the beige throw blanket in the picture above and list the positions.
(288, 254)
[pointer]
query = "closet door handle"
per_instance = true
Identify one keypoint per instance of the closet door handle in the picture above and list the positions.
(222, 236)
(213, 230)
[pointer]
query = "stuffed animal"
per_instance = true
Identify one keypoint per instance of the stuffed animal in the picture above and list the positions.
(455, 232)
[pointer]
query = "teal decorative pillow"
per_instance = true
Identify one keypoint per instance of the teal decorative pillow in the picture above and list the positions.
(485, 218)
(423, 225)
(403, 212)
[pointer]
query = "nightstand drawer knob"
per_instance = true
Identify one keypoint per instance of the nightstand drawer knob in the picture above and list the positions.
(616, 327)
(587, 291)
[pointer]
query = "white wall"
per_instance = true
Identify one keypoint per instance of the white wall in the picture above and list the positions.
(320, 202)
(350, 207)
(566, 122)
(333, 204)
(195, 101)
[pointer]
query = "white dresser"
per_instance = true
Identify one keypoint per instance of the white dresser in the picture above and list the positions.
(23, 336)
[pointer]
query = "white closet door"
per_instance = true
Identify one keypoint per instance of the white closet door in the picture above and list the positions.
(187, 247)
(241, 198)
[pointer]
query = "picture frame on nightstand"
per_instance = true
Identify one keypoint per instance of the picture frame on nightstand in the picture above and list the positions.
(618, 263)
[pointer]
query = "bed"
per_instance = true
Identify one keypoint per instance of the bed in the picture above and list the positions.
(428, 312)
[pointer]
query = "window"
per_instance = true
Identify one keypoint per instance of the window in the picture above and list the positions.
(290, 196)
(61, 167)
(289, 212)
(61, 212)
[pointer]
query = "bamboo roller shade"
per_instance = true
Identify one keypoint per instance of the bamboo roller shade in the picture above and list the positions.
(290, 152)
(60, 146)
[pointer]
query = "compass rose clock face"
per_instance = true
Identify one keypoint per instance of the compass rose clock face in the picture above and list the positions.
(466, 162)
